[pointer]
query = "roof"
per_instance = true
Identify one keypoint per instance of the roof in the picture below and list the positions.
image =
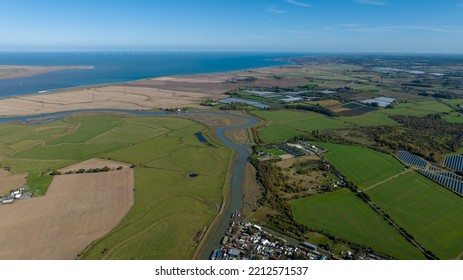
(385, 99)
(234, 252)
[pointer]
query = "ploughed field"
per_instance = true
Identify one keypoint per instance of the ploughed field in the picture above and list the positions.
(76, 210)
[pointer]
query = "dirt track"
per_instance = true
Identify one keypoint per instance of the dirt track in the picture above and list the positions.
(76, 210)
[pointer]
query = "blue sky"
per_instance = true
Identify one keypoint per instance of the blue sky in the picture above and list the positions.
(410, 26)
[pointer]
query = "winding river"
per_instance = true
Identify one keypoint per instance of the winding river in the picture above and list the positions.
(241, 158)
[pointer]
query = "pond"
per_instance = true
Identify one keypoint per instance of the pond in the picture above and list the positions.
(201, 138)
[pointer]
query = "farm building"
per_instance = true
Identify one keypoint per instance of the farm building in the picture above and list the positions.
(8, 200)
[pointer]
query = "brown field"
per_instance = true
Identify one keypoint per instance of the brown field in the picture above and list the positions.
(10, 182)
(76, 210)
(95, 163)
(326, 103)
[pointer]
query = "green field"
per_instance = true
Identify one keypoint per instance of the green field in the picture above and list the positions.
(429, 212)
(370, 119)
(453, 117)
(284, 125)
(365, 167)
(418, 108)
(170, 208)
(343, 214)
(454, 102)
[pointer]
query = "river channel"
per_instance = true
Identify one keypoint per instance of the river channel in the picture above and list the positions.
(241, 158)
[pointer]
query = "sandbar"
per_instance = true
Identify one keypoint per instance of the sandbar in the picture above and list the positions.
(16, 71)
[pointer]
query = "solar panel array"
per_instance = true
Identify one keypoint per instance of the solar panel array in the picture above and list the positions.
(411, 159)
(446, 179)
(454, 162)
(433, 168)
(451, 175)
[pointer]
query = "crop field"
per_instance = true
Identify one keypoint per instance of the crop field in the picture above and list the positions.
(284, 125)
(171, 209)
(426, 210)
(326, 103)
(418, 108)
(454, 102)
(370, 119)
(77, 209)
(343, 214)
(454, 117)
(363, 166)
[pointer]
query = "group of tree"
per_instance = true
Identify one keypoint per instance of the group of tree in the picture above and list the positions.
(82, 170)
(233, 106)
(427, 136)
(313, 108)
(443, 95)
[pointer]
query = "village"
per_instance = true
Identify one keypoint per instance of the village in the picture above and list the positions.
(16, 194)
(247, 241)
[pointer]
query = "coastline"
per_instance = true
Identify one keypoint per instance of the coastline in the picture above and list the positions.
(176, 91)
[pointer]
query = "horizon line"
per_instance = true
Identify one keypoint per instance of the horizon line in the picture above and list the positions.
(238, 51)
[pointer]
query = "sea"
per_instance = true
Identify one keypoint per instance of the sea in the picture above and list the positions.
(117, 67)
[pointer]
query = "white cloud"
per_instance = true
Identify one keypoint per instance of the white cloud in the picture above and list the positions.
(370, 2)
(305, 5)
(275, 10)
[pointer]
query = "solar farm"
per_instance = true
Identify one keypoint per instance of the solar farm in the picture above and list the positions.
(444, 178)
(411, 159)
(454, 162)
(447, 179)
